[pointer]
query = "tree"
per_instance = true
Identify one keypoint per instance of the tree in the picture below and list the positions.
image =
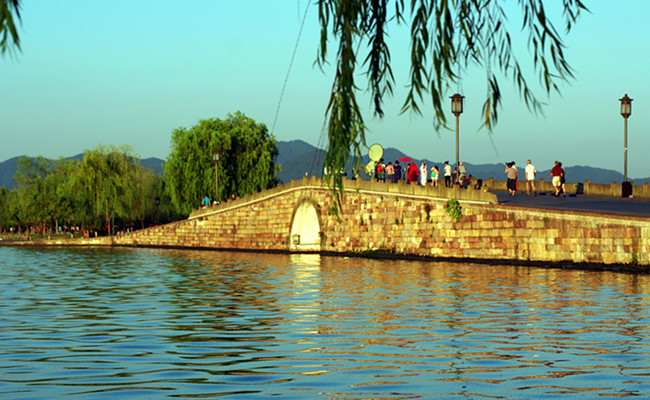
(108, 184)
(145, 187)
(44, 191)
(104, 181)
(447, 36)
(34, 192)
(247, 160)
(70, 207)
(8, 208)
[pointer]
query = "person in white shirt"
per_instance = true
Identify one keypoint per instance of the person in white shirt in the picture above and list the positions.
(423, 174)
(462, 174)
(530, 178)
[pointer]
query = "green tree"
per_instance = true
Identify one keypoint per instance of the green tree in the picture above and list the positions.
(8, 208)
(35, 191)
(105, 181)
(79, 197)
(61, 201)
(144, 188)
(247, 160)
(447, 37)
(108, 184)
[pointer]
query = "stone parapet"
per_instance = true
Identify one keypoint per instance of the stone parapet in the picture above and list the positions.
(469, 194)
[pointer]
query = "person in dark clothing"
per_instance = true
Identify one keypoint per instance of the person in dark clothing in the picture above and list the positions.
(398, 172)
(513, 175)
(562, 179)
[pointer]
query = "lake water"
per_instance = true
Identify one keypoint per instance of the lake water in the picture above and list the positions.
(143, 323)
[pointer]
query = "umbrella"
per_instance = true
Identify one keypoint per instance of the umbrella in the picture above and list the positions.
(375, 152)
(405, 159)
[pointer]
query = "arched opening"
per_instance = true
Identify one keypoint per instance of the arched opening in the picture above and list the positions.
(305, 232)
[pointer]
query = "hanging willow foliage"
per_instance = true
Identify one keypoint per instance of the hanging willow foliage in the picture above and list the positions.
(9, 15)
(447, 36)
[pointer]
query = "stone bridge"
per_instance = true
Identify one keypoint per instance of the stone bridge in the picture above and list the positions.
(404, 220)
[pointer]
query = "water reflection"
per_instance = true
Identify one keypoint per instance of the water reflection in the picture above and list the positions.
(110, 323)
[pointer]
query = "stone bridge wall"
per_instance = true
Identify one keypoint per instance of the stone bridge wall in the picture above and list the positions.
(407, 220)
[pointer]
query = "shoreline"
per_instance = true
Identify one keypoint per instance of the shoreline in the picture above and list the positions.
(627, 268)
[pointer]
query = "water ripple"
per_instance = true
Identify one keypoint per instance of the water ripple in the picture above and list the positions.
(134, 323)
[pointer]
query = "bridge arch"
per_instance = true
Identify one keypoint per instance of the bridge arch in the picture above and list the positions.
(306, 226)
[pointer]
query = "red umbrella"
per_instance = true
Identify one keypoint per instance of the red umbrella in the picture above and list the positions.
(405, 159)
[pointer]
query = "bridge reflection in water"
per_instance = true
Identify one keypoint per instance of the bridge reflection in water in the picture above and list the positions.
(138, 323)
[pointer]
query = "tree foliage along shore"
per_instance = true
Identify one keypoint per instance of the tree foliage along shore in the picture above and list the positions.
(109, 186)
(247, 160)
(447, 37)
(106, 185)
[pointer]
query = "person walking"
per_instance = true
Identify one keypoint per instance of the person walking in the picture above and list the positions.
(381, 171)
(435, 174)
(423, 173)
(562, 179)
(412, 175)
(447, 173)
(462, 174)
(398, 172)
(205, 202)
(512, 174)
(555, 176)
(530, 173)
(390, 172)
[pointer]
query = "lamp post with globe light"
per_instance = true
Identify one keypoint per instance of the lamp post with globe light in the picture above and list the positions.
(157, 201)
(626, 111)
(215, 157)
(457, 109)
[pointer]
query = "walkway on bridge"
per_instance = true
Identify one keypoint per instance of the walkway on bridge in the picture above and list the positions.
(617, 206)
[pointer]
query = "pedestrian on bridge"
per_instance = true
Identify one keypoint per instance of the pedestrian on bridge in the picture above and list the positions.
(447, 172)
(435, 175)
(562, 179)
(397, 176)
(462, 174)
(556, 176)
(530, 173)
(423, 173)
(390, 172)
(413, 173)
(512, 174)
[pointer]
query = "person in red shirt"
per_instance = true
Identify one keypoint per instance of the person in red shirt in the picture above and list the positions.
(556, 176)
(413, 174)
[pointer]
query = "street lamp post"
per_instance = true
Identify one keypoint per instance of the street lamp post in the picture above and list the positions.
(215, 157)
(457, 109)
(157, 200)
(626, 110)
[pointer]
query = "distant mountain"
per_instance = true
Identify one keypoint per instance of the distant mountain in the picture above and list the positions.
(299, 158)
(7, 171)
(154, 164)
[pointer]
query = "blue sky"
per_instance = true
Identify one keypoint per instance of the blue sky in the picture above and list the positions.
(129, 72)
